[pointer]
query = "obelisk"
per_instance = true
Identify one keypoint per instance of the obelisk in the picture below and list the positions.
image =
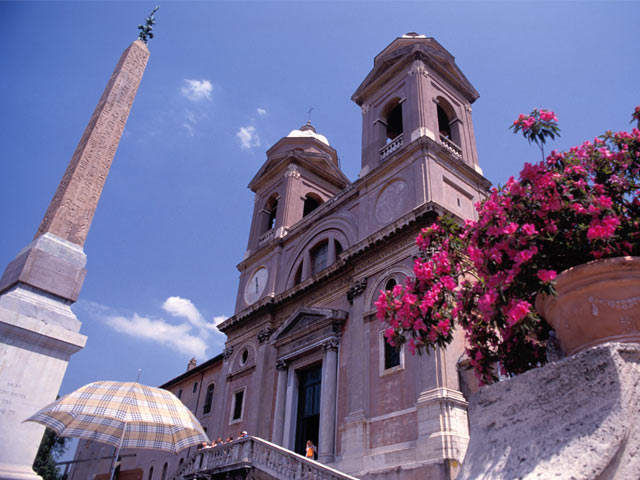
(38, 330)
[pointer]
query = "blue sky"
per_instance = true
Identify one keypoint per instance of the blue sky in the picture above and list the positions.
(224, 82)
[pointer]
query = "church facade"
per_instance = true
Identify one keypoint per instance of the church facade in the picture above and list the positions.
(305, 356)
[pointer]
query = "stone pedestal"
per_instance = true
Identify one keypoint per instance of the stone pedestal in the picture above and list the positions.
(577, 418)
(38, 334)
(443, 432)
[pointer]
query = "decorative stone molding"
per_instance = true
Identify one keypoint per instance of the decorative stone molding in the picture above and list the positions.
(227, 352)
(357, 289)
(418, 68)
(282, 365)
(468, 108)
(331, 344)
(264, 334)
(292, 172)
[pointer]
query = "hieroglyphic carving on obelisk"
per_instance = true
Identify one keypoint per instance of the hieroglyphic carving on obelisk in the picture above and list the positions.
(70, 212)
(38, 330)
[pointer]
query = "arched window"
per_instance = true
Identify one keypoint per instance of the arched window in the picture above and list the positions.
(311, 202)
(208, 399)
(338, 249)
(272, 215)
(319, 257)
(444, 126)
(269, 213)
(394, 122)
(150, 476)
(390, 284)
(164, 471)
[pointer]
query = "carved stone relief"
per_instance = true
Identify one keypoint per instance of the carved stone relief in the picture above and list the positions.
(71, 210)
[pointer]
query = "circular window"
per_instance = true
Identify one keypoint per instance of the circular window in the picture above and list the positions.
(244, 357)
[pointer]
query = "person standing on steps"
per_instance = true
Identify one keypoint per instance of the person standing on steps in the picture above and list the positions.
(310, 450)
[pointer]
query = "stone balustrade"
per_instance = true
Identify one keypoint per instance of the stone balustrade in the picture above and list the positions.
(452, 147)
(392, 146)
(259, 454)
(266, 237)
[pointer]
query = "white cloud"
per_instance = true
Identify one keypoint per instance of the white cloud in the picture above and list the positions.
(248, 137)
(196, 90)
(182, 307)
(177, 337)
(218, 320)
(261, 111)
(192, 336)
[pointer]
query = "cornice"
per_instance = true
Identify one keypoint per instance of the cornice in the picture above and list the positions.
(346, 259)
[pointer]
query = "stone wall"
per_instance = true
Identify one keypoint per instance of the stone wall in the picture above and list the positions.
(574, 419)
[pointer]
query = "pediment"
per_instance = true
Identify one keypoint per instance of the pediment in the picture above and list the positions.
(319, 163)
(402, 52)
(307, 321)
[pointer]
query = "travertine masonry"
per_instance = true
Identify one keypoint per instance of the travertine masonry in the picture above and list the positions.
(576, 420)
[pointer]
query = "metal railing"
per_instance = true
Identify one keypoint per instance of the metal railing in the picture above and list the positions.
(254, 452)
(391, 147)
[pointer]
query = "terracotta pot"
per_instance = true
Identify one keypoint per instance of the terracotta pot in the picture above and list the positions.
(597, 302)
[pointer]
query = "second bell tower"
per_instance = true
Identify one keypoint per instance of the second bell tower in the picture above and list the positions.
(415, 90)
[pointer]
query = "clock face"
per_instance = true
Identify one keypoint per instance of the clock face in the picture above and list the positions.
(255, 285)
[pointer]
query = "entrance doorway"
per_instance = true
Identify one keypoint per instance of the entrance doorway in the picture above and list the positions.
(308, 419)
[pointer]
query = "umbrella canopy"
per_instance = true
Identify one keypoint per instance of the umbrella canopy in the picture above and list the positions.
(125, 415)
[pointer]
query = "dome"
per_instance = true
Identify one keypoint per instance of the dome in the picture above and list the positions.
(308, 130)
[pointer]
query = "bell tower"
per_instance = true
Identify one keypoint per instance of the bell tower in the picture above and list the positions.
(415, 90)
(300, 174)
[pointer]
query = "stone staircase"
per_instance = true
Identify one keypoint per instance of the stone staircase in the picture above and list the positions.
(254, 458)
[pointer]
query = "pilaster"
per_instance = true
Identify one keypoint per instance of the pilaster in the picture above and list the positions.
(328, 392)
(354, 430)
(281, 395)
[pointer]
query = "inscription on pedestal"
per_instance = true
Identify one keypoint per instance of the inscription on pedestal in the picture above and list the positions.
(10, 392)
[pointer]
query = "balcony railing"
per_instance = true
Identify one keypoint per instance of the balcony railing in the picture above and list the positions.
(391, 147)
(449, 145)
(267, 457)
(266, 237)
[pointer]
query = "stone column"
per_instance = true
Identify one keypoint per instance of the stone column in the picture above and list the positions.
(38, 330)
(354, 429)
(281, 396)
(263, 381)
(328, 391)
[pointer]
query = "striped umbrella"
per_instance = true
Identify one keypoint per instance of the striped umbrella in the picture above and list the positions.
(125, 415)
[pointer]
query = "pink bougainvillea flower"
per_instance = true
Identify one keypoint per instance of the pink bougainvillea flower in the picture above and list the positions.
(603, 229)
(547, 276)
(516, 311)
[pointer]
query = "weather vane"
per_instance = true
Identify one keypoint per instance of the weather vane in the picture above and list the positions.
(309, 114)
(145, 30)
